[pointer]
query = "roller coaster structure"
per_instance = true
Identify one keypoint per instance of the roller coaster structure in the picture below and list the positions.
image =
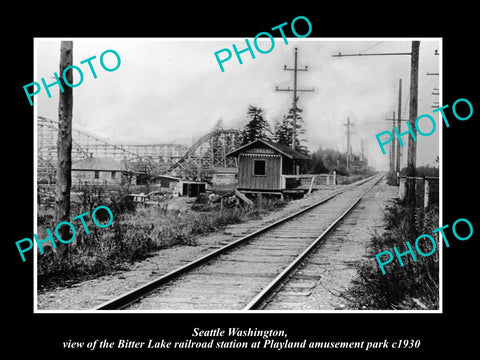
(205, 155)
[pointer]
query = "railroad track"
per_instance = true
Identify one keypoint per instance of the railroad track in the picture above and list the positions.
(246, 273)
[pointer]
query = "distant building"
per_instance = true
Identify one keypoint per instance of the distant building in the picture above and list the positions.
(166, 181)
(358, 163)
(101, 171)
(189, 188)
(264, 166)
(224, 176)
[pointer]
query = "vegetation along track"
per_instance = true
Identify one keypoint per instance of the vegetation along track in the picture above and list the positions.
(244, 274)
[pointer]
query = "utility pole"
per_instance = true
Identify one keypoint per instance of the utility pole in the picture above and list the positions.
(348, 124)
(396, 163)
(364, 159)
(399, 124)
(412, 145)
(295, 90)
(392, 149)
(64, 145)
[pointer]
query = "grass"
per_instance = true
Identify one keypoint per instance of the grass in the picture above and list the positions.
(413, 286)
(133, 236)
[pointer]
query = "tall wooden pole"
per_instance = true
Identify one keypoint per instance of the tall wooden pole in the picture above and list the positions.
(348, 132)
(294, 130)
(348, 144)
(412, 145)
(399, 123)
(64, 143)
(392, 149)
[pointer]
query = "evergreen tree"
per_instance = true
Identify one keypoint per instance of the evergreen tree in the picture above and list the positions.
(330, 159)
(317, 164)
(257, 127)
(219, 125)
(283, 131)
(276, 125)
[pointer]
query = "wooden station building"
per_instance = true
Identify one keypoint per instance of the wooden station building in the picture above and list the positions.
(267, 167)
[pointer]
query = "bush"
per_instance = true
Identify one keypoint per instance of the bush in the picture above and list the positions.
(133, 236)
(391, 179)
(341, 170)
(201, 198)
(92, 196)
(413, 286)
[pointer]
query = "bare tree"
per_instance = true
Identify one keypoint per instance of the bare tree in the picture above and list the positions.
(64, 144)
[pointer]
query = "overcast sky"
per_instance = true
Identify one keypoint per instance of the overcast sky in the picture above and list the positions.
(173, 91)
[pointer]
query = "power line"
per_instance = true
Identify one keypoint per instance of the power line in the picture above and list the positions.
(378, 43)
(372, 54)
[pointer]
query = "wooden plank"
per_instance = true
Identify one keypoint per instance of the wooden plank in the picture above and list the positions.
(244, 172)
(270, 172)
(277, 174)
(304, 176)
(243, 198)
(311, 185)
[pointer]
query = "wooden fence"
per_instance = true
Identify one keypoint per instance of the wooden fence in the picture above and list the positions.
(426, 190)
(309, 179)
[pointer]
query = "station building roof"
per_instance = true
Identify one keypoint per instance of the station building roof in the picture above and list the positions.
(280, 148)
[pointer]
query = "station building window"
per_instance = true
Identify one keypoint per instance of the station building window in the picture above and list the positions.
(259, 167)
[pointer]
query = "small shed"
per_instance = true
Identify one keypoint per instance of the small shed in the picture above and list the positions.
(189, 188)
(193, 188)
(167, 181)
(264, 166)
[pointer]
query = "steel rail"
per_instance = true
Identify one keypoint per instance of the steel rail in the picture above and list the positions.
(136, 294)
(269, 291)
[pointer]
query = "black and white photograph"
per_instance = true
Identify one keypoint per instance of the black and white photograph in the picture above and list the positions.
(236, 190)
(246, 184)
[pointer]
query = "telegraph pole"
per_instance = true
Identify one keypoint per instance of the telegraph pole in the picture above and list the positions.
(399, 124)
(348, 124)
(64, 144)
(412, 145)
(294, 90)
(363, 153)
(396, 163)
(392, 149)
